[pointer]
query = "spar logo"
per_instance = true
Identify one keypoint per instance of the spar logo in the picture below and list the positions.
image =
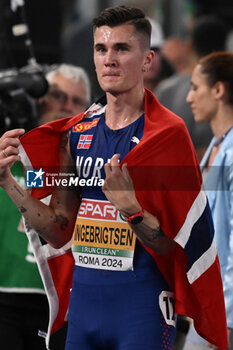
(35, 178)
(81, 127)
(98, 210)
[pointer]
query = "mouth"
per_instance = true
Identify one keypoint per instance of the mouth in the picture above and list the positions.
(193, 109)
(111, 74)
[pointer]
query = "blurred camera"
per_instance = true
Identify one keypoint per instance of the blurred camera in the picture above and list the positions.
(19, 89)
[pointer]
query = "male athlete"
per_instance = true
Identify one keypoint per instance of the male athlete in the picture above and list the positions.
(145, 234)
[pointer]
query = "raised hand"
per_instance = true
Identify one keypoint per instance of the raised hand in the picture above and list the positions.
(9, 152)
(118, 187)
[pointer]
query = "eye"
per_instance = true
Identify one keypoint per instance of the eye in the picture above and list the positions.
(100, 48)
(58, 95)
(193, 87)
(122, 47)
(78, 102)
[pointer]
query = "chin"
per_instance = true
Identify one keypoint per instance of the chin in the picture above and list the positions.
(198, 119)
(111, 89)
(111, 86)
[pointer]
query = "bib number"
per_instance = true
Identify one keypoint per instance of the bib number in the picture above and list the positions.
(167, 306)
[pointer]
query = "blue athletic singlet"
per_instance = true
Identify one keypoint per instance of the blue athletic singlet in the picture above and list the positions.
(119, 298)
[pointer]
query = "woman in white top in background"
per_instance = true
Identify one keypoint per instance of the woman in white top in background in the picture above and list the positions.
(211, 100)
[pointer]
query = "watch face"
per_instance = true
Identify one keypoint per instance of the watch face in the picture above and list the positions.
(137, 219)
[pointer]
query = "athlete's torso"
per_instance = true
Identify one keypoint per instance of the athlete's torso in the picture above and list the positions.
(119, 297)
(92, 145)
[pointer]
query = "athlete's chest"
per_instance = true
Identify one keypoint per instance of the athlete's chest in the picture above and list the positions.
(93, 144)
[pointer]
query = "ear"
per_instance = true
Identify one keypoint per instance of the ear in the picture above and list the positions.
(149, 57)
(219, 89)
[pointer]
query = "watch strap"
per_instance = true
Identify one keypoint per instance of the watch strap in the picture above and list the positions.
(136, 218)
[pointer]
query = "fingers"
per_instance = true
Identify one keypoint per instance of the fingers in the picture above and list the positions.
(13, 133)
(9, 155)
(4, 153)
(125, 170)
(113, 165)
(6, 142)
(9, 161)
(115, 160)
(10, 151)
(9, 143)
(117, 177)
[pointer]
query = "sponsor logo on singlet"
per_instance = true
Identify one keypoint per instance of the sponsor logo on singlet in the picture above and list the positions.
(81, 127)
(102, 238)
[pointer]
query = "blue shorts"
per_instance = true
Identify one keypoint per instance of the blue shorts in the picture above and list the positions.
(118, 316)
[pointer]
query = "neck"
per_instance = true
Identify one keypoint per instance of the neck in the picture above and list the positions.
(222, 122)
(123, 109)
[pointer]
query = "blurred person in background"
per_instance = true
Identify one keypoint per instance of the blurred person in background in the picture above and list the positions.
(160, 68)
(177, 51)
(23, 304)
(211, 100)
(209, 34)
(69, 93)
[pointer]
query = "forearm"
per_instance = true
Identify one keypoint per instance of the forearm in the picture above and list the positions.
(119, 190)
(50, 223)
(150, 234)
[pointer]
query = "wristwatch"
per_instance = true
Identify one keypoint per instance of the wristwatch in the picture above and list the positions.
(136, 218)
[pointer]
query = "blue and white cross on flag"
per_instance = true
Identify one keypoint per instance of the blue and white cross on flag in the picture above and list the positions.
(35, 178)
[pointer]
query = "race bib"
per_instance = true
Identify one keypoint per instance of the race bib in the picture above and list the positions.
(167, 307)
(102, 239)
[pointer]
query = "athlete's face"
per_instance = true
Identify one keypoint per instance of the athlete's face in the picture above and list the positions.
(120, 58)
(201, 97)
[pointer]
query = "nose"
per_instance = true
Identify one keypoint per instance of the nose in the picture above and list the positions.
(69, 105)
(189, 97)
(110, 58)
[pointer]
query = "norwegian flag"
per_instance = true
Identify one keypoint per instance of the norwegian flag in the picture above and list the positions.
(160, 169)
(84, 141)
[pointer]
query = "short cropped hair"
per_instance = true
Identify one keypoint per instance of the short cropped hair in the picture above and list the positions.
(115, 16)
(216, 67)
(71, 72)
